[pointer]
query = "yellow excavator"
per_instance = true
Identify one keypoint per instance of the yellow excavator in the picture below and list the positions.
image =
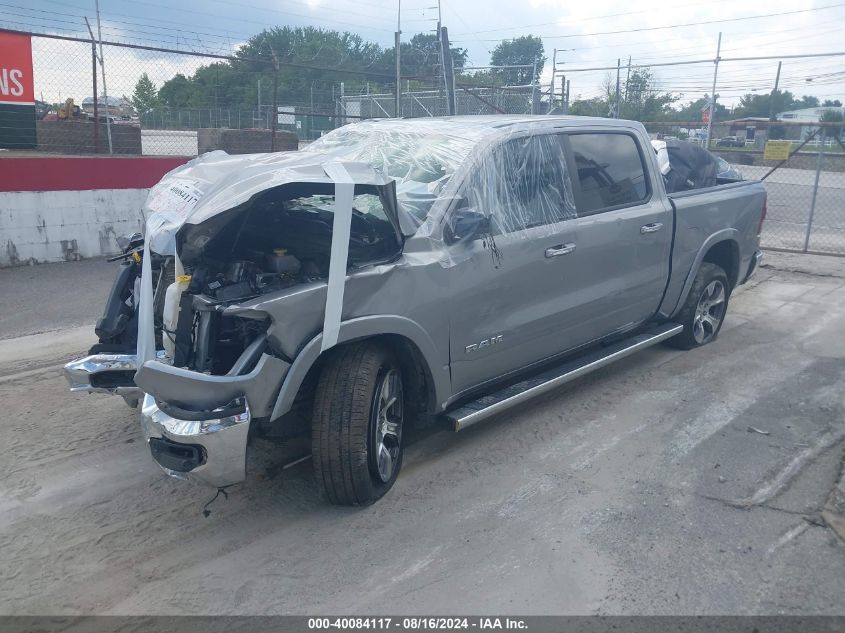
(69, 111)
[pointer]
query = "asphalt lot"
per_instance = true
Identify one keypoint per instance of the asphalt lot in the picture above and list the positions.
(643, 488)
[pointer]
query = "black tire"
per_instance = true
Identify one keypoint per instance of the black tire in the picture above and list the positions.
(346, 424)
(709, 276)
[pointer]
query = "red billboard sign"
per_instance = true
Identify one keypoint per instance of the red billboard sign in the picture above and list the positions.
(16, 81)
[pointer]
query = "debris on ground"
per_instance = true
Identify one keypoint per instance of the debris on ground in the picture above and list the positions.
(754, 429)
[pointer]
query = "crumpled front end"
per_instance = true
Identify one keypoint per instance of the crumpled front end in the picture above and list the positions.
(197, 425)
(210, 451)
(226, 360)
(105, 373)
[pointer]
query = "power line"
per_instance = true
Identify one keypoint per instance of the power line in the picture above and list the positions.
(263, 23)
(673, 55)
(688, 24)
(586, 19)
(354, 71)
(710, 61)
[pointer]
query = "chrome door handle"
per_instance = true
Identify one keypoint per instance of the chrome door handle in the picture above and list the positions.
(651, 228)
(562, 249)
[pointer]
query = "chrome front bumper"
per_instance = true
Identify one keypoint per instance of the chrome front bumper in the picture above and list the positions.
(91, 374)
(219, 443)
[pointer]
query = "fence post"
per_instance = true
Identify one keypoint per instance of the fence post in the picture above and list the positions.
(96, 98)
(815, 190)
(275, 113)
(94, 78)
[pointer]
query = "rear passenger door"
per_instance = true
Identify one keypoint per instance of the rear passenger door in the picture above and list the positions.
(622, 235)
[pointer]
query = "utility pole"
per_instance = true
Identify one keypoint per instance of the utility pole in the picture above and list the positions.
(713, 92)
(566, 102)
(440, 52)
(449, 70)
(552, 85)
(275, 113)
(627, 81)
(94, 77)
(398, 63)
(772, 97)
(103, 69)
(563, 92)
(618, 69)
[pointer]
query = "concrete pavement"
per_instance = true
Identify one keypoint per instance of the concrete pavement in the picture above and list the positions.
(669, 483)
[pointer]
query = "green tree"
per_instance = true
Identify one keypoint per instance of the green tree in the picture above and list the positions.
(760, 105)
(692, 111)
(833, 116)
(145, 97)
(641, 100)
(835, 103)
(589, 107)
(525, 50)
(806, 102)
(176, 92)
(421, 56)
(312, 63)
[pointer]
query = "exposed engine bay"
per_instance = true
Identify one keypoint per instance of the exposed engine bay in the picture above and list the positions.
(279, 239)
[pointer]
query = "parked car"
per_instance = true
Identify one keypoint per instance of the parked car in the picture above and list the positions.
(726, 172)
(399, 271)
(731, 141)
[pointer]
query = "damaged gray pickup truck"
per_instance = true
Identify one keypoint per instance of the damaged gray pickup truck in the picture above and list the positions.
(398, 271)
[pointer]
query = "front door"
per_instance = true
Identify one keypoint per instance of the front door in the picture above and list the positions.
(508, 307)
(546, 280)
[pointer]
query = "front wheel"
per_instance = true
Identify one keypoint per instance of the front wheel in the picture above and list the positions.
(704, 309)
(357, 425)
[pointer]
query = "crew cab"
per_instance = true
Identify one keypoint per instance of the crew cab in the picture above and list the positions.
(396, 272)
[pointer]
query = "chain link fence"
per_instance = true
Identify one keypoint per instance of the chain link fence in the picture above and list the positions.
(806, 189)
(154, 101)
(806, 199)
(430, 103)
(166, 102)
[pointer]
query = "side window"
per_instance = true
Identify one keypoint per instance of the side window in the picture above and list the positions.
(522, 183)
(610, 171)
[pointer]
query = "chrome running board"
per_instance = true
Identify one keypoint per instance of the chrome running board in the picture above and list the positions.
(490, 405)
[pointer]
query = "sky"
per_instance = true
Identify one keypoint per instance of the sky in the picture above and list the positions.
(586, 35)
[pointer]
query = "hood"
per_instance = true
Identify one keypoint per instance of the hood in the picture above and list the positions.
(217, 182)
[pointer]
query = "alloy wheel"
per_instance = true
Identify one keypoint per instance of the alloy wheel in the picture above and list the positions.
(709, 312)
(387, 420)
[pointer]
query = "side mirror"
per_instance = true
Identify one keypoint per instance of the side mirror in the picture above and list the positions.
(466, 225)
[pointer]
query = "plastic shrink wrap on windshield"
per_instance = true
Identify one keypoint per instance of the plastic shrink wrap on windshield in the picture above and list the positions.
(516, 180)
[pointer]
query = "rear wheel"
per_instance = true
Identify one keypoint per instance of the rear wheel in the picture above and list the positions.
(704, 309)
(357, 424)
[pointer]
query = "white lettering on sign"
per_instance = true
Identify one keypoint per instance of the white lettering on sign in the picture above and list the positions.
(10, 82)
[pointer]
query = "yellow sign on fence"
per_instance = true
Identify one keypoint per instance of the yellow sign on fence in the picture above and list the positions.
(777, 150)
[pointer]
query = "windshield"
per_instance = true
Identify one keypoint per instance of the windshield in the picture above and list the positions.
(421, 160)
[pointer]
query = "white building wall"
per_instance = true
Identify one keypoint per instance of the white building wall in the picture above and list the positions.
(54, 226)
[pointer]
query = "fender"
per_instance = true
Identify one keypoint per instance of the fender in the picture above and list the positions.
(360, 328)
(725, 235)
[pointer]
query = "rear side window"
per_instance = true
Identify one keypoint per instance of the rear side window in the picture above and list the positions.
(610, 171)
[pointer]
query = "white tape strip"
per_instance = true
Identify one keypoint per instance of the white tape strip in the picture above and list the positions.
(146, 328)
(344, 191)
